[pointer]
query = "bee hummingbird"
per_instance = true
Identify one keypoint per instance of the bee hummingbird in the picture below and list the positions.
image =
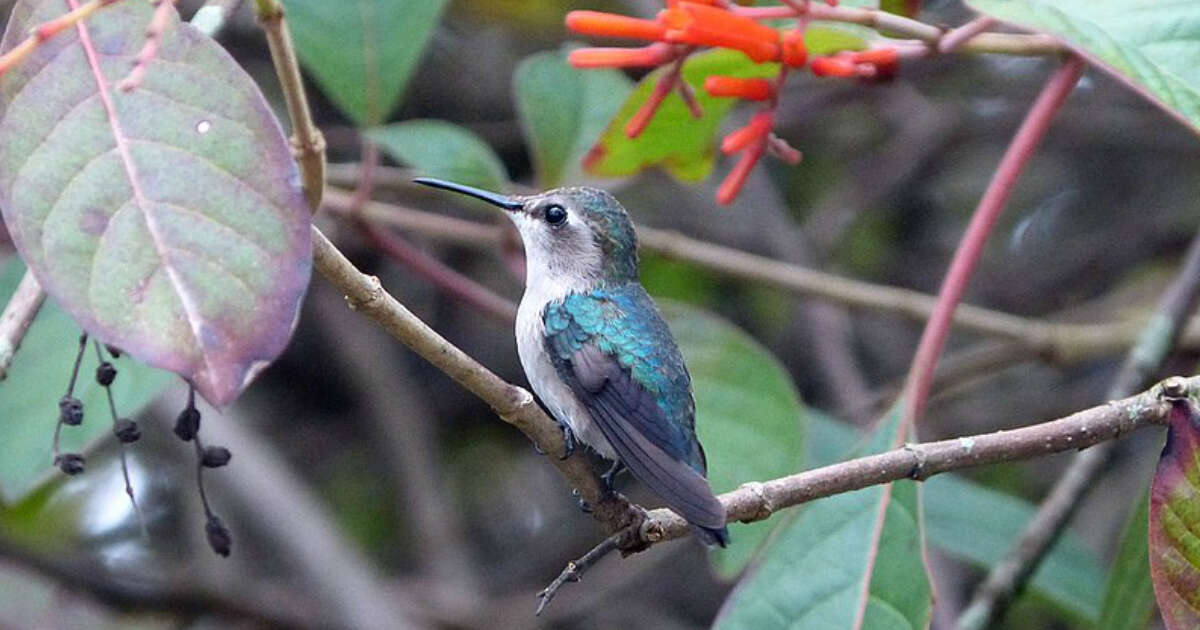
(597, 351)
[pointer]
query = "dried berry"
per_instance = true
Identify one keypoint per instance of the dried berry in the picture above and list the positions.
(105, 373)
(215, 456)
(70, 410)
(69, 463)
(218, 536)
(187, 424)
(127, 431)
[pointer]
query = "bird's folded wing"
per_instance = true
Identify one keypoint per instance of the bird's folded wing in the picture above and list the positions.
(628, 416)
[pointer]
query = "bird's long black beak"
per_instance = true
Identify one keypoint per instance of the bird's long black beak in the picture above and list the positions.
(496, 199)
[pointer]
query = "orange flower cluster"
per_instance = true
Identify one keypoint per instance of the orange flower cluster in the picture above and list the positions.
(692, 24)
(685, 25)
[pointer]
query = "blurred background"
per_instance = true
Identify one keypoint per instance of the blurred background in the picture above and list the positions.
(368, 489)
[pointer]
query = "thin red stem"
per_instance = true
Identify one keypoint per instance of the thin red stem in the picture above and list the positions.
(1026, 140)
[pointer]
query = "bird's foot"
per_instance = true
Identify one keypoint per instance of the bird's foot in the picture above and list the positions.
(569, 440)
(610, 478)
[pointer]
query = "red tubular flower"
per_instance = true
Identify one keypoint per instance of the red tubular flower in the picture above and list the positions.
(877, 56)
(795, 53)
(647, 56)
(754, 132)
(703, 25)
(833, 67)
(612, 25)
(733, 183)
(733, 87)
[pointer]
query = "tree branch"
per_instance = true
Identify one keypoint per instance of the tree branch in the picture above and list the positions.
(1144, 358)
(308, 145)
(756, 501)
(18, 315)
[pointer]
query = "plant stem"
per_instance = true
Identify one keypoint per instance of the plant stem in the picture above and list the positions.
(308, 144)
(18, 315)
(1026, 140)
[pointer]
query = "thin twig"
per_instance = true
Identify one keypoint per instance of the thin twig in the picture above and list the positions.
(46, 30)
(112, 407)
(1024, 143)
(759, 500)
(954, 39)
(1158, 337)
(575, 570)
(18, 315)
(308, 144)
(154, 35)
(930, 35)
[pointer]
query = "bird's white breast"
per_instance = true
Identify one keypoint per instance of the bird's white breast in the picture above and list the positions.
(543, 378)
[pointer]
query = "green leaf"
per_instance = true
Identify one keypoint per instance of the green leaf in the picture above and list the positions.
(978, 524)
(362, 52)
(440, 149)
(563, 111)
(850, 560)
(736, 379)
(1174, 548)
(38, 378)
(907, 8)
(1151, 45)
(167, 220)
(1129, 596)
(674, 139)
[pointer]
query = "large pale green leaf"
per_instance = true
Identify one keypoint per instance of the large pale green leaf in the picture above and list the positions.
(563, 111)
(978, 525)
(440, 149)
(748, 415)
(167, 220)
(853, 560)
(38, 378)
(1175, 519)
(362, 52)
(1152, 45)
(1129, 595)
(679, 142)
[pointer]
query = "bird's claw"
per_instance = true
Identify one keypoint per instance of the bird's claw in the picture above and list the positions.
(568, 440)
(609, 479)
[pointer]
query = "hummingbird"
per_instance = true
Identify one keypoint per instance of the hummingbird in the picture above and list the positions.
(597, 352)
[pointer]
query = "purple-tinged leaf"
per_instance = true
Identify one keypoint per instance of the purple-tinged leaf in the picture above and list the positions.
(168, 221)
(1175, 520)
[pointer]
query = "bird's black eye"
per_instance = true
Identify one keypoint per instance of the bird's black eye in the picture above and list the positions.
(556, 214)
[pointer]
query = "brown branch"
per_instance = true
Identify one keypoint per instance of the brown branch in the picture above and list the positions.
(18, 315)
(154, 35)
(1143, 359)
(575, 570)
(756, 501)
(308, 145)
